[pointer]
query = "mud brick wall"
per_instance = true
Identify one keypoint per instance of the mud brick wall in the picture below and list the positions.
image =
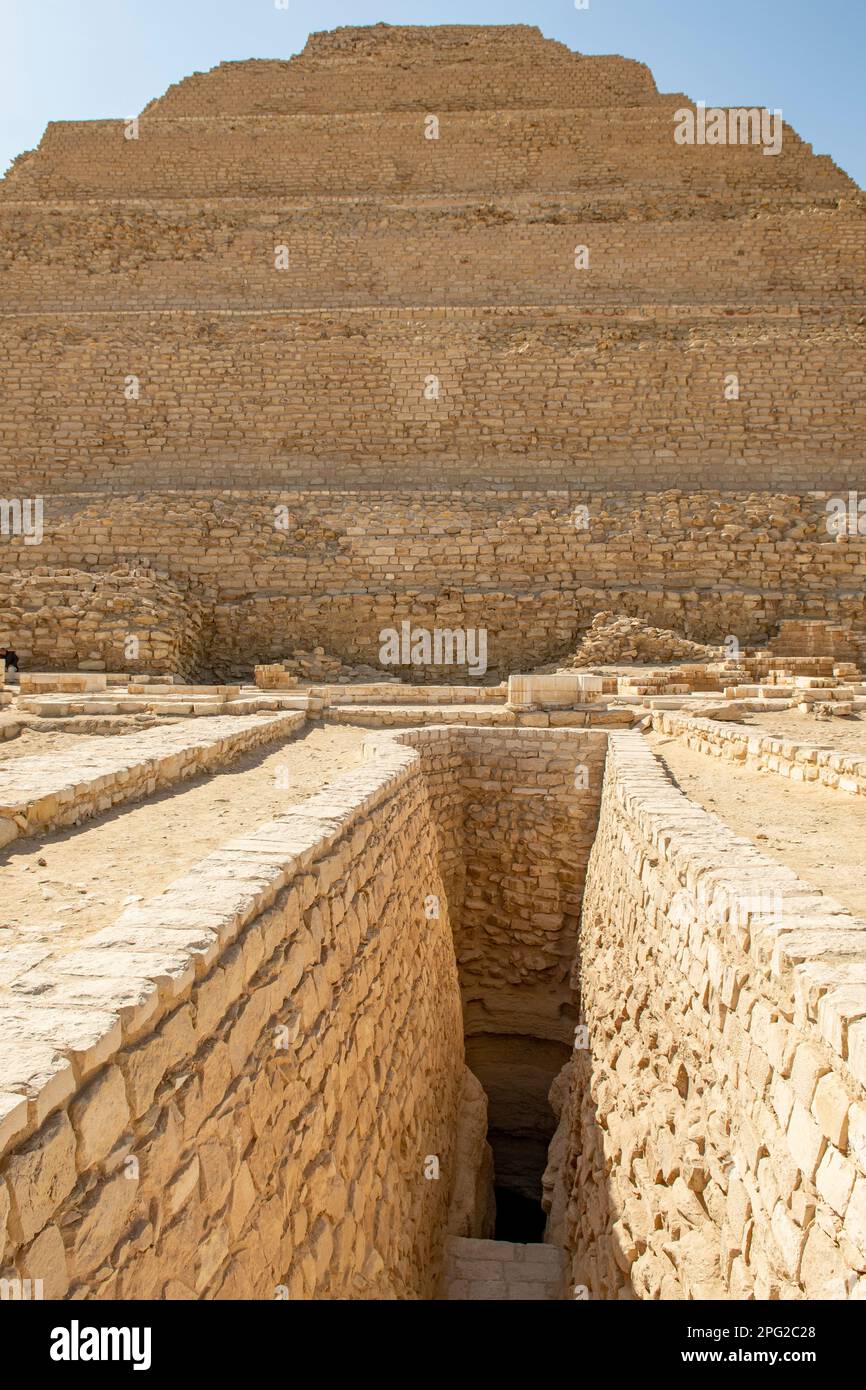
(712, 1141)
(246, 1113)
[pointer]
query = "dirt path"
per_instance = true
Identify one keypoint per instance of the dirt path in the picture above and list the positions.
(65, 885)
(817, 832)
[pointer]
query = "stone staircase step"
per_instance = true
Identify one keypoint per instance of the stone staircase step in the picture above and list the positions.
(502, 1271)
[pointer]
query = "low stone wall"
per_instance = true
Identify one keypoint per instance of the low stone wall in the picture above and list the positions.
(394, 694)
(712, 1141)
(740, 743)
(41, 794)
(238, 1090)
(488, 716)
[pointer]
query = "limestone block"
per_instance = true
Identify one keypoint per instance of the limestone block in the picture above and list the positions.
(99, 1115)
(39, 1176)
(102, 1225)
(45, 1260)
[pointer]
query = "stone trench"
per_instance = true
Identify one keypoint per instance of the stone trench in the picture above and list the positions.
(493, 1016)
(529, 814)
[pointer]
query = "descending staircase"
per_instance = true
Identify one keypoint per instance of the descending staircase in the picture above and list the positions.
(502, 1271)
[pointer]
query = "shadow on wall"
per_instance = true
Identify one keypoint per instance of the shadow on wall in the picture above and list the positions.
(579, 1194)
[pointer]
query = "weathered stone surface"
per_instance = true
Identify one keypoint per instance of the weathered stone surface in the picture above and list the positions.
(99, 1116)
(672, 1058)
(40, 1176)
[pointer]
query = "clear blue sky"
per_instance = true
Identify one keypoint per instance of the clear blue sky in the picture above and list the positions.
(86, 59)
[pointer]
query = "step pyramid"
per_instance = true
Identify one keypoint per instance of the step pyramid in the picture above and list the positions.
(326, 343)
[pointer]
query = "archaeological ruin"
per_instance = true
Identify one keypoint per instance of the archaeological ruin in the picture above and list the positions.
(433, 749)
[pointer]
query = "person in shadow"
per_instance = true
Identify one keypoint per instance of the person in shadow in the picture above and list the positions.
(10, 661)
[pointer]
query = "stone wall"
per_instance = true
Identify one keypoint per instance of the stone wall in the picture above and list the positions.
(341, 566)
(44, 792)
(235, 1090)
(237, 1086)
(370, 153)
(245, 1108)
(349, 252)
(406, 259)
(589, 396)
(57, 619)
(358, 694)
(516, 813)
(459, 67)
(712, 1141)
(816, 639)
(761, 752)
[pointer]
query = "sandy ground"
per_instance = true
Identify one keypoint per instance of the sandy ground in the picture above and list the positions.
(846, 734)
(818, 833)
(62, 886)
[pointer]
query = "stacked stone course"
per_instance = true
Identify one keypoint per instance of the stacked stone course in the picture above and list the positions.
(344, 565)
(762, 752)
(454, 258)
